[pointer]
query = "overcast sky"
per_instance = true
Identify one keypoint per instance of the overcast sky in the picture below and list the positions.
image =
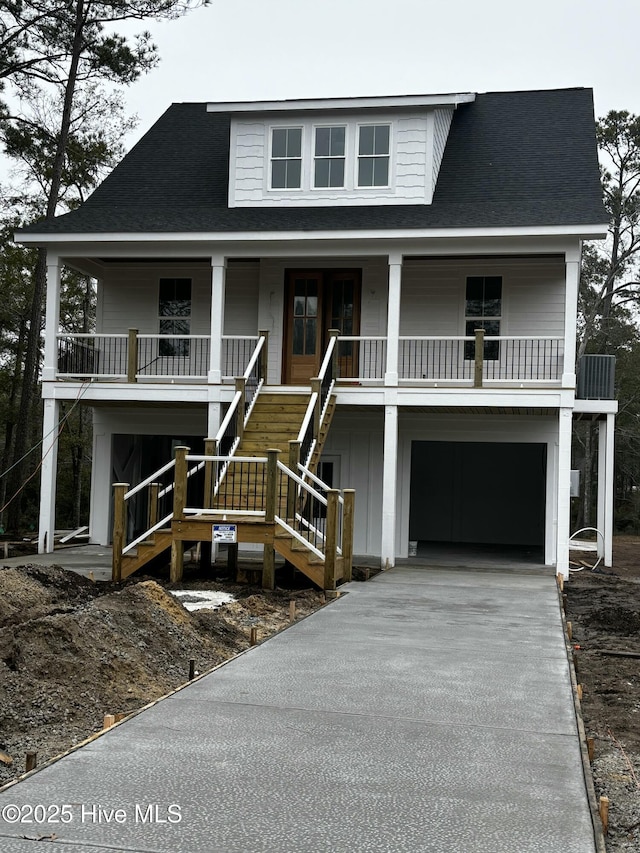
(272, 49)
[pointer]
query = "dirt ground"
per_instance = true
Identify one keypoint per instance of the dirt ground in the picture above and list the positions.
(603, 607)
(72, 650)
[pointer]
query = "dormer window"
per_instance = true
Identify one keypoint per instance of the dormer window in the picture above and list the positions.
(286, 158)
(329, 157)
(373, 155)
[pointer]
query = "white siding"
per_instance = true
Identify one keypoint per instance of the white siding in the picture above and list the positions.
(410, 161)
(270, 314)
(241, 299)
(357, 440)
(411, 158)
(433, 295)
(128, 298)
(247, 178)
(375, 291)
(442, 123)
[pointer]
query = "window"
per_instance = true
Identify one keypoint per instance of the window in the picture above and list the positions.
(373, 155)
(483, 309)
(329, 157)
(286, 158)
(174, 308)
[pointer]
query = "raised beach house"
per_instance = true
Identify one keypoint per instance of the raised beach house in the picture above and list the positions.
(395, 276)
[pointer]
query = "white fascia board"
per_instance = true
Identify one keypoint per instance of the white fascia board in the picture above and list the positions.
(596, 407)
(389, 101)
(139, 393)
(193, 239)
(455, 397)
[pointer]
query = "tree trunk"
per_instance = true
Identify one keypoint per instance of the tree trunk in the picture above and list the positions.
(33, 350)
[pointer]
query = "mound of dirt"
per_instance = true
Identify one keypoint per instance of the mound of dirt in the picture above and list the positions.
(72, 650)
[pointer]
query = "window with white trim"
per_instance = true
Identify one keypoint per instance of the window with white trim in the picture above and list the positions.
(286, 158)
(174, 308)
(373, 155)
(329, 157)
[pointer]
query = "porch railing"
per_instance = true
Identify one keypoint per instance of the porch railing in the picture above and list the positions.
(361, 358)
(137, 357)
(481, 358)
(134, 357)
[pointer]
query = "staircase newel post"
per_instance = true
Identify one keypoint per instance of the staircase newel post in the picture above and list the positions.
(132, 356)
(209, 450)
(347, 533)
(479, 358)
(316, 388)
(331, 541)
(292, 488)
(334, 333)
(269, 557)
(241, 386)
(154, 488)
(210, 447)
(264, 356)
(119, 529)
(179, 501)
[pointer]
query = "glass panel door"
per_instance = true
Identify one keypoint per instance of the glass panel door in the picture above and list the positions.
(303, 324)
(344, 315)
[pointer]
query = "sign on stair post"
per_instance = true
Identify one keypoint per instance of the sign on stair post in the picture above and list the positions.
(226, 534)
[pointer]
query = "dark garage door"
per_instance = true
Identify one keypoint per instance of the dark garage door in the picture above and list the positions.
(489, 493)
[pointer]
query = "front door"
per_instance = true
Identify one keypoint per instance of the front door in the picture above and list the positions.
(316, 301)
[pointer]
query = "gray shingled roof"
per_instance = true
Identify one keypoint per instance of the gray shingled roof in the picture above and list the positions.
(512, 159)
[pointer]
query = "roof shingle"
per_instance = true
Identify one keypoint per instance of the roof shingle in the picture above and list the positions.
(512, 159)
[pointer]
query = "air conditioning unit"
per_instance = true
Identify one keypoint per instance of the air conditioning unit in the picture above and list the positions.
(596, 375)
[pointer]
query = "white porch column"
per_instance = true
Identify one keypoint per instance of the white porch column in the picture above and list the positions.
(48, 476)
(52, 320)
(214, 419)
(389, 487)
(218, 270)
(572, 273)
(606, 432)
(563, 491)
(393, 318)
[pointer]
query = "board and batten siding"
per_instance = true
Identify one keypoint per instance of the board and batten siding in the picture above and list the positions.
(357, 439)
(413, 162)
(128, 298)
(533, 296)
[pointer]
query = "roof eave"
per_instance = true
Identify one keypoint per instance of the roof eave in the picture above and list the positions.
(596, 231)
(384, 102)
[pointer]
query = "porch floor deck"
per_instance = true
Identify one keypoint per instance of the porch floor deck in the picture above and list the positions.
(422, 711)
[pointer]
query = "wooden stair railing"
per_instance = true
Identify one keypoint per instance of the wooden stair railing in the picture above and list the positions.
(299, 422)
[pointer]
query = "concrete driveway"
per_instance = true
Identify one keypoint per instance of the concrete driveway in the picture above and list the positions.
(426, 710)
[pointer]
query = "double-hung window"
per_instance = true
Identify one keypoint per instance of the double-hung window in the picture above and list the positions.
(373, 155)
(329, 157)
(286, 158)
(174, 308)
(483, 310)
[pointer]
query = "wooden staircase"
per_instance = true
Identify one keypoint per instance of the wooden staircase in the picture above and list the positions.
(145, 552)
(275, 421)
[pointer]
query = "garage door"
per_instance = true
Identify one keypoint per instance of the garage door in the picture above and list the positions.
(490, 493)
